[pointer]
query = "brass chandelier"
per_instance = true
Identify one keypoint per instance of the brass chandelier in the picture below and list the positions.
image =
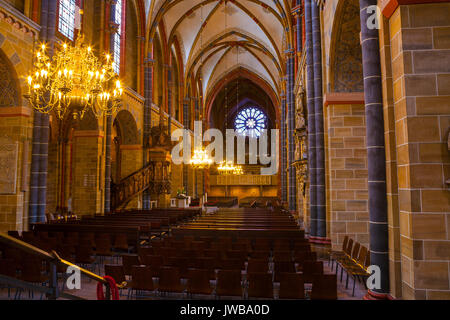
(228, 168)
(73, 81)
(200, 159)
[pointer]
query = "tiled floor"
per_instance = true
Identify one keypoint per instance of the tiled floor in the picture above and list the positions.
(88, 291)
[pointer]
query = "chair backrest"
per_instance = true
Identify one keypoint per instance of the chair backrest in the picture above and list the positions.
(142, 278)
(363, 252)
(324, 287)
(121, 241)
(198, 282)
(128, 261)
(282, 255)
(260, 254)
(116, 272)
(198, 245)
(229, 283)
(348, 250)
(146, 251)
(292, 286)
(311, 268)
(237, 254)
(8, 267)
(345, 243)
(260, 285)
(232, 264)
(355, 250)
(284, 266)
(169, 279)
(257, 266)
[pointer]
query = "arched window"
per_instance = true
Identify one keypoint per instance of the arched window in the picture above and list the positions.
(66, 18)
(117, 35)
(250, 122)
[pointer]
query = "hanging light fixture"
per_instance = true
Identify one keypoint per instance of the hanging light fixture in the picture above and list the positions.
(73, 81)
(201, 160)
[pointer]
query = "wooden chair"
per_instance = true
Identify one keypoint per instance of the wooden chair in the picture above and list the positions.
(324, 287)
(260, 285)
(116, 272)
(155, 263)
(282, 255)
(85, 256)
(231, 264)
(103, 248)
(141, 280)
(310, 269)
(121, 243)
(292, 286)
(229, 283)
(31, 271)
(281, 267)
(260, 254)
(198, 245)
(236, 254)
(337, 254)
(8, 268)
(169, 280)
(128, 261)
(257, 266)
(208, 265)
(198, 282)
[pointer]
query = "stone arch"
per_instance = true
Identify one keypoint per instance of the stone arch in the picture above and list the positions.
(89, 122)
(9, 86)
(131, 46)
(345, 51)
(126, 128)
(158, 71)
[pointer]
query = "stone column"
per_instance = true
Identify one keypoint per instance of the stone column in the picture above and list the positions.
(39, 166)
(283, 148)
(34, 173)
(169, 101)
(108, 129)
(321, 228)
(186, 127)
(292, 192)
(148, 93)
(311, 119)
(379, 254)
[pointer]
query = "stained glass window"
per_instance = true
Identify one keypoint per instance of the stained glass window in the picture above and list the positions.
(117, 35)
(67, 18)
(250, 122)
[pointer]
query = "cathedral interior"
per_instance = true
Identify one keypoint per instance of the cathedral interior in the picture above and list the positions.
(352, 96)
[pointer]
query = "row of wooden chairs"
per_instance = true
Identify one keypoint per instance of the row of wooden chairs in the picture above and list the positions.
(190, 242)
(228, 283)
(296, 256)
(354, 259)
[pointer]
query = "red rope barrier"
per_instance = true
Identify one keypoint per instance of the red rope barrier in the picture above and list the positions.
(113, 287)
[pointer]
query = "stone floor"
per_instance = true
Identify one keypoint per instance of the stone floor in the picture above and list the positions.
(88, 291)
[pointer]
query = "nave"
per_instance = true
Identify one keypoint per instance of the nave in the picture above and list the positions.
(237, 253)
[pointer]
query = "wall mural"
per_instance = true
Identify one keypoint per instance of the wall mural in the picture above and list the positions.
(9, 153)
(9, 96)
(347, 64)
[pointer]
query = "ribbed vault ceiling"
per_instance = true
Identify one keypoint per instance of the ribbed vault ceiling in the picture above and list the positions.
(218, 36)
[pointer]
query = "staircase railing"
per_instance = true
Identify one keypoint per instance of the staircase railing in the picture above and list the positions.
(52, 292)
(136, 183)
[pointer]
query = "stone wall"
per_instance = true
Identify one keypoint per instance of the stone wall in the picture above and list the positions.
(420, 52)
(347, 176)
(17, 34)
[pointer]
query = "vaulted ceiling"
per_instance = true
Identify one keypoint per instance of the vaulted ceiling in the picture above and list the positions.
(217, 37)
